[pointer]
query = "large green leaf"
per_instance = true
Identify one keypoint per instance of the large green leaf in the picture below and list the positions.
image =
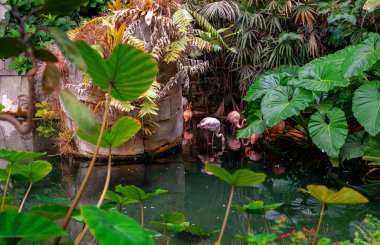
(343, 196)
(329, 130)
(284, 102)
(59, 7)
(173, 218)
(79, 113)
(353, 147)
(324, 77)
(266, 83)
(242, 177)
(68, 48)
(18, 156)
(113, 228)
(258, 207)
(10, 47)
(366, 106)
(372, 149)
(52, 211)
(122, 131)
(365, 55)
(33, 171)
(129, 70)
(27, 226)
(135, 193)
(256, 127)
(114, 197)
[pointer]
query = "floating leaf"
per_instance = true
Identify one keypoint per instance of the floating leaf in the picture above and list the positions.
(130, 71)
(365, 55)
(18, 156)
(79, 113)
(353, 147)
(44, 55)
(284, 102)
(106, 226)
(27, 226)
(68, 48)
(365, 106)
(242, 177)
(266, 83)
(59, 7)
(328, 130)
(10, 47)
(343, 196)
(137, 194)
(51, 78)
(33, 171)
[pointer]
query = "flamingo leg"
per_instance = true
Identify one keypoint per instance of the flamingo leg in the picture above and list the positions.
(212, 144)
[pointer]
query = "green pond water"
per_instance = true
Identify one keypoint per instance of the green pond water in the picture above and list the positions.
(203, 197)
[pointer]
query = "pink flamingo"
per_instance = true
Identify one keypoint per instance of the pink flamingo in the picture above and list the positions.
(234, 118)
(213, 125)
(188, 114)
(252, 155)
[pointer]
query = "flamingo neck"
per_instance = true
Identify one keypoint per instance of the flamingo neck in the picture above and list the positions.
(242, 123)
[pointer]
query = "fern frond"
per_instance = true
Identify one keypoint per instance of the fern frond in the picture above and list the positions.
(176, 49)
(182, 19)
(124, 106)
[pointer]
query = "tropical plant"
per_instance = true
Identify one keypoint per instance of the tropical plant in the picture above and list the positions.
(332, 99)
(326, 196)
(242, 177)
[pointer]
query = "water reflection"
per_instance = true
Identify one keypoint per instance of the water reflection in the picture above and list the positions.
(202, 197)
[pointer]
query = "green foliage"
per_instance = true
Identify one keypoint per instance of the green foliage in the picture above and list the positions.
(14, 156)
(46, 116)
(128, 84)
(52, 211)
(21, 65)
(105, 226)
(1, 107)
(57, 7)
(343, 196)
(6, 42)
(258, 207)
(242, 177)
(259, 239)
(18, 226)
(79, 113)
(31, 172)
(122, 131)
(134, 193)
(353, 147)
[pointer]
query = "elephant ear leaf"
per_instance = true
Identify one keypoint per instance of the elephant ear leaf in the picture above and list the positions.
(365, 55)
(353, 147)
(123, 130)
(366, 106)
(328, 130)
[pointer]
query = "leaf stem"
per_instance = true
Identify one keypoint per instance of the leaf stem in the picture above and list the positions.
(6, 188)
(227, 214)
(90, 167)
(142, 214)
(26, 194)
(319, 222)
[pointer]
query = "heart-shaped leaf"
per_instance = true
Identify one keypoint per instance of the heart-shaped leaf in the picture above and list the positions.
(284, 102)
(10, 47)
(242, 177)
(106, 226)
(135, 193)
(27, 226)
(122, 131)
(266, 83)
(324, 77)
(58, 7)
(328, 130)
(18, 156)
(33, 171)
(365, 55)
(79, 113)
(114, 197)
(51, 78)
(130, 71)
(366, 106)
(68, 48)
(353, 147)
(343, 196)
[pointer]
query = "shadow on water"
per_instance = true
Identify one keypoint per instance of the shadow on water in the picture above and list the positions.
(203, 198)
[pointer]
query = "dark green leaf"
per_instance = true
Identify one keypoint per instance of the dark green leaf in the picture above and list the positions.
(106, 226)
(59, 7)
(33, 171)
(329, 130)
(68, 48)
(18, 156)
(372, 149)
(52, 211)
(353, 147)
(284, 102)
(112, 196)
(173, 218)
(199, 231)
(79, 113)
(256, 127)
(26, 226)
(366, 106)
(51, 78)
(44, 55)
(10, 47)
(137, 194)
(46, 199)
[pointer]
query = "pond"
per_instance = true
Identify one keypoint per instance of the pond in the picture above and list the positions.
(203, 197)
